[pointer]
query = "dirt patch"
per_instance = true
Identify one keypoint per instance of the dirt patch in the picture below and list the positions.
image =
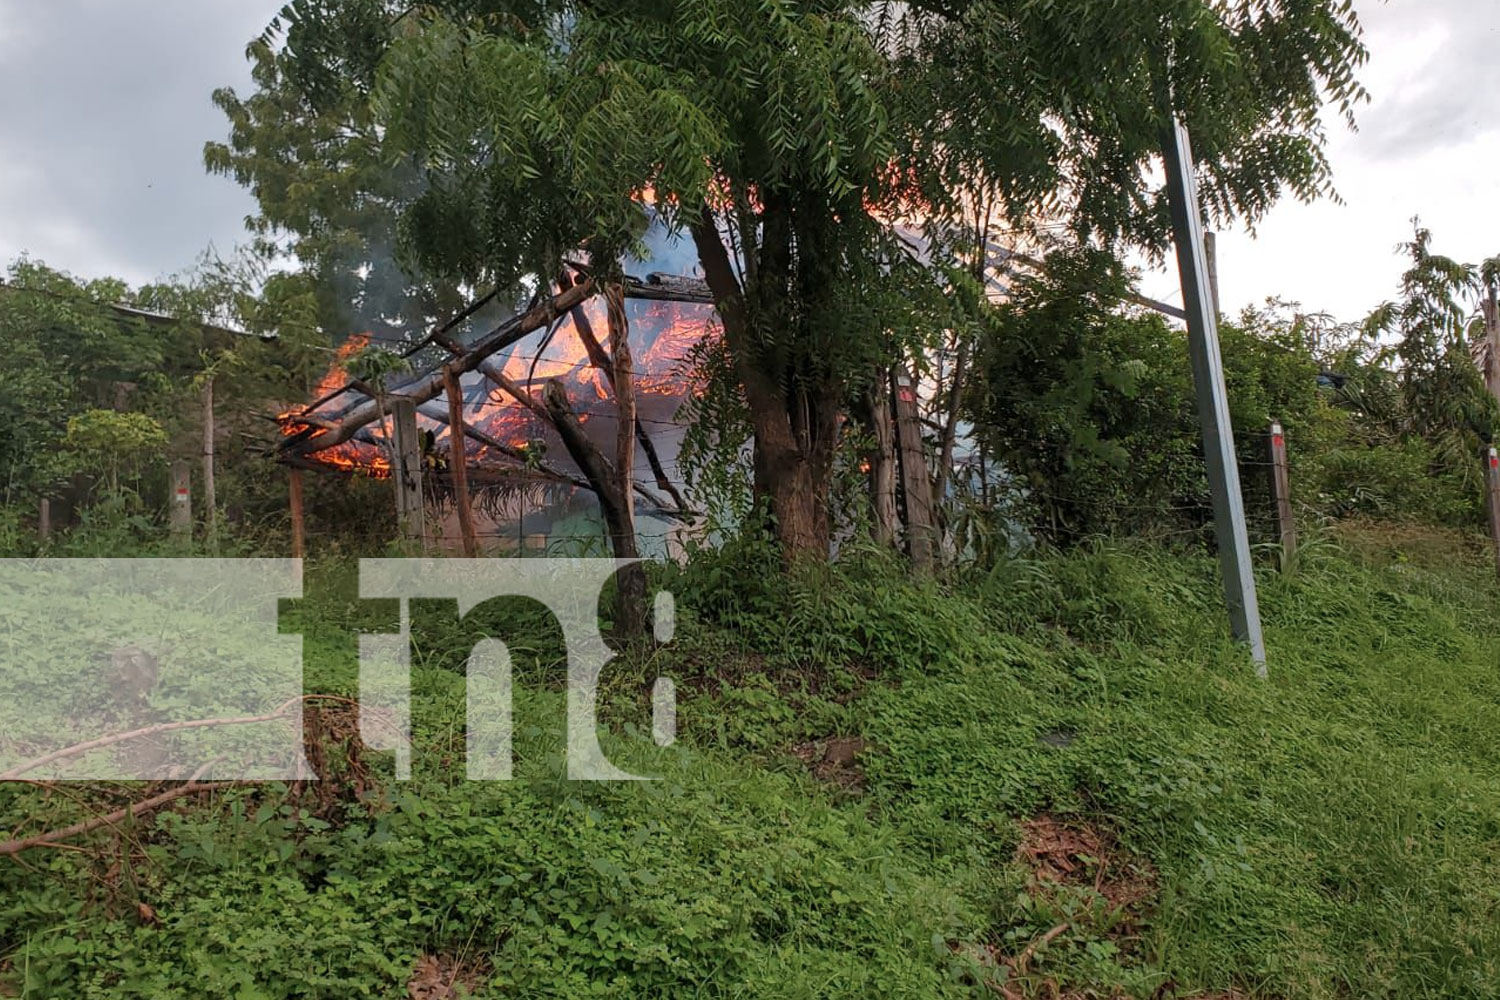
(444, 977)
(1084, 855)
(1093, 888)
(335, 751)
(835, 760)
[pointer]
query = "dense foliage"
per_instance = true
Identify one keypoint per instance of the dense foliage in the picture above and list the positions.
(104, 383)
(1089, 410)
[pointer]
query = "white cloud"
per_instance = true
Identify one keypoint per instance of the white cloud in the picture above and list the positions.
(1428, 145)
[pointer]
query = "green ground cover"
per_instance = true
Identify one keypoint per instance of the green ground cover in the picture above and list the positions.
(1060, 779)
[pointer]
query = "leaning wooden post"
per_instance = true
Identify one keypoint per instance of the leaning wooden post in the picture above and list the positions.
(1492, 480)
(1281, 491)
(458, 463)
(180, 516)
(916, 486)
(294, 500)
(406, 471)
(625, 403)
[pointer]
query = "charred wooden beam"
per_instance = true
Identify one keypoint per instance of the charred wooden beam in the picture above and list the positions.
(427, 386)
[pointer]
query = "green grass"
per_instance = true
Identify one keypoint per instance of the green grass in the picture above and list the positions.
(1332, 832)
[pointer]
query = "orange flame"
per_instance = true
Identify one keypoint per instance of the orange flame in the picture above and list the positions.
(662, 335)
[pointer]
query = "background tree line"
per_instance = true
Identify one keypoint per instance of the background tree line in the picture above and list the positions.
(405, 159)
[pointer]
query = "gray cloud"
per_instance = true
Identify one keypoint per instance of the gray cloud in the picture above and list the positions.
(1442, 100)
(105, 108)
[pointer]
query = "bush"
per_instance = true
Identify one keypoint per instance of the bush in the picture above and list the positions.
(1093, 410)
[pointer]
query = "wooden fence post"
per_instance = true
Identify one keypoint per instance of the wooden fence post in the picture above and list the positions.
(180, 514)
(1492, 480)
(458, 464)
(1281, 491)
(210, 492)
(406, 472)
(1211, 260)
(44, 519)
(883, 461)
(294, 500)
(916, 485)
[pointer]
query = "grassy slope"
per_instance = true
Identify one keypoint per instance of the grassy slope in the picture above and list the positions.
(1330, 833)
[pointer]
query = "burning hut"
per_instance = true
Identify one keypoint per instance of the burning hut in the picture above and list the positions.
(530, 489)
(533, 492)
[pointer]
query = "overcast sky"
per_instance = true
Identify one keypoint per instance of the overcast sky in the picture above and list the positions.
(104, 109)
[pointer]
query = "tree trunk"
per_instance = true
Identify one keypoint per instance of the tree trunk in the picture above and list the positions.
(796, 429)
(950, 433)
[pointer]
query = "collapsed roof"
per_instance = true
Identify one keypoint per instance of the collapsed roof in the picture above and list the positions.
(555, 337)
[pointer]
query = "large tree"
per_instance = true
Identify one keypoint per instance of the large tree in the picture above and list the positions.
(786, 137)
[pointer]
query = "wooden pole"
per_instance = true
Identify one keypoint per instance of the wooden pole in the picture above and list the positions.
(180, 515)
(44, 519)
(1211, 259)
(406, 471)
(1492, 479)
(294, 499)
(916, 486)
(1281, 491)
(883, 461)
(624, 386)
(210, 493)
(458, 463)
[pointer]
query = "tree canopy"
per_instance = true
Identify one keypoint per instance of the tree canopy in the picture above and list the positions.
(486, 140)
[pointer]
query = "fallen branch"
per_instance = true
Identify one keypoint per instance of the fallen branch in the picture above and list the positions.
(1039, 943)
(12, 847)
(523, 396)
(164, 727)
(601, 360)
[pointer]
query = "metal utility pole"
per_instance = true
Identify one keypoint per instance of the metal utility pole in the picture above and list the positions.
(1213, 400)
(1211, 258)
